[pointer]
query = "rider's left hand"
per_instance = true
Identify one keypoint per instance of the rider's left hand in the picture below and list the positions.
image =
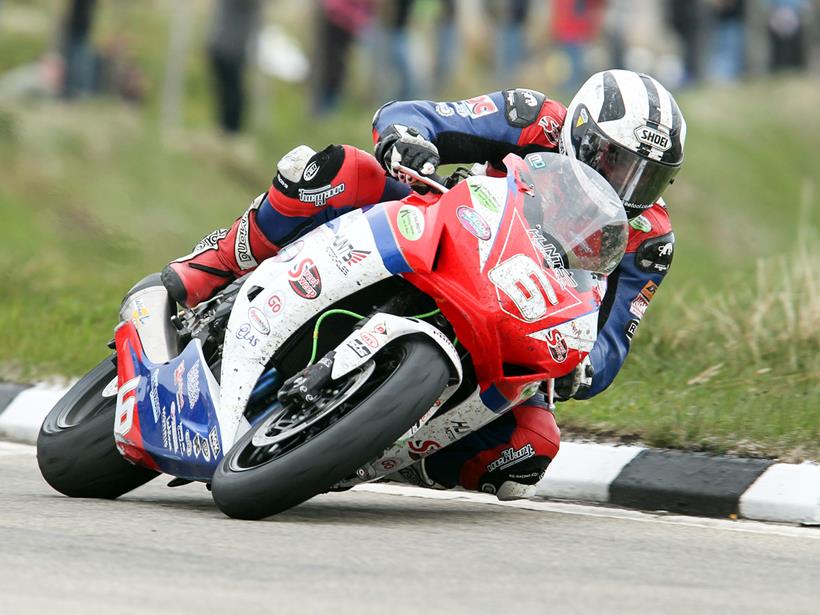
(567, 387)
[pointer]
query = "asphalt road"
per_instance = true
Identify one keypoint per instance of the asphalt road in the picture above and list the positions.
(163, 550)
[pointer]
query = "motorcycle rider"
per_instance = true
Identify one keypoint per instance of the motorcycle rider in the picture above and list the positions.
(625, 125)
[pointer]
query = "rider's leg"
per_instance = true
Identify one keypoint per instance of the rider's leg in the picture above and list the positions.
(506, 457)
(309, 189)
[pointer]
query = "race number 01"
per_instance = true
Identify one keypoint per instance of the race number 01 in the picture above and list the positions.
(525, 283)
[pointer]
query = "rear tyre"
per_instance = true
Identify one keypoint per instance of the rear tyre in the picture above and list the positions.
(76, 450)
(269, 470)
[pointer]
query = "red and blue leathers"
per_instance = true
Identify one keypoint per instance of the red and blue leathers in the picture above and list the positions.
(481, 129)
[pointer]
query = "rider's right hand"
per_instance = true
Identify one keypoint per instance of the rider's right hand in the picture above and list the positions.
(400, 145)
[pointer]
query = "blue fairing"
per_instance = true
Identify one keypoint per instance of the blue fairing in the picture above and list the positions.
(177, 415)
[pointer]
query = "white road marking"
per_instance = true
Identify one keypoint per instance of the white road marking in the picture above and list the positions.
(567, 508)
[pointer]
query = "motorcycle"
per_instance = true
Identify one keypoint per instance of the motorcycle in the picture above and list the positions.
(369, 343)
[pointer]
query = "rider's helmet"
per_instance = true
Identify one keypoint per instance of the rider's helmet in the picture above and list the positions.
(628, 127)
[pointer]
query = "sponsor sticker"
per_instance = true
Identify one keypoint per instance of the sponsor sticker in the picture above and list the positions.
(310, 171)
(649, 289)
(344, 255)
(484, 198)
(536, 161)
(479, 106)
(638, 306)
(444, 110)
(320, 196)
(552, 258)
(557, 346)
(359, 347)
(420, 448)
(410, 222)
(473, 222)
(246, 333)
(179, 372)
(192, 385)
(305, 279)
(213, 438)
(631, 327)
(206, 450)
(641, 223)
(154, 394)
(276, 302)
(258, 320)
(551, 128)
(653, 137)
(141, 314)
(511, 456)
(369, 339)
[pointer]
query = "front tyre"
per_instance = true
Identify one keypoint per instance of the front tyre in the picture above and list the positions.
(287, 459)
(76, 451)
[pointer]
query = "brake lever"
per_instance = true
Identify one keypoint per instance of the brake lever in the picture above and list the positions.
(434, 181)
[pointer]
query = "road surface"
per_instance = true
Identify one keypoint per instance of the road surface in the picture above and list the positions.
(161, 550)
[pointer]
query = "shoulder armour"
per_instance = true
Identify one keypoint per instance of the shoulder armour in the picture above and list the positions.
(655, 255)
(521, 106)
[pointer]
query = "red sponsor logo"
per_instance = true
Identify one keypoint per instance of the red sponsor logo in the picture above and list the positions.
(275, 303)
(305, 279)
(551, 128)
(369, 339)
(420, 448)
(557, 346)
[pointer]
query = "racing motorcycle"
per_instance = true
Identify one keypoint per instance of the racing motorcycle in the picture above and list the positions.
(367, 344)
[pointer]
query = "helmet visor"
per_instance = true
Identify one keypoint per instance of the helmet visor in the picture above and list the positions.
(637, 179)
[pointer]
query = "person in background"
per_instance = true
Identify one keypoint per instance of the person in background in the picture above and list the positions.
(339, 23)
(686, 19)
(575, 24)
(233, 26)
(728, 40)
(398, 18)
(75, 49)
(786, 27)
(511, 50)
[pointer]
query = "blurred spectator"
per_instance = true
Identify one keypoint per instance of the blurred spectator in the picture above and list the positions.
(339, 22)
(398, 18)
(576, 24)
(728, 41)
(510, 48)
(786, 26)
(75, 48)
(233, 27)
(686, 19)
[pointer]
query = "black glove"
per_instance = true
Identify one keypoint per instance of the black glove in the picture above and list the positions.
(567, 387)
(400, 145)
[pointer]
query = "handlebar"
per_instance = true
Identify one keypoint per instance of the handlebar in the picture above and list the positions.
(434, 181)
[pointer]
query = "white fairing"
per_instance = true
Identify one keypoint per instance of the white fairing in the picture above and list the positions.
(326, 265)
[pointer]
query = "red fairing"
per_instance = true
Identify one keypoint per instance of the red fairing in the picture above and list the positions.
(503, 310)
(129, 443)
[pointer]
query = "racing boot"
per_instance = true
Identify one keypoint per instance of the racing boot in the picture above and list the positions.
(218, 259)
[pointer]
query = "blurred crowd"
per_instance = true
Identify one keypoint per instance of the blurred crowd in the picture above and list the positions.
(429, 48)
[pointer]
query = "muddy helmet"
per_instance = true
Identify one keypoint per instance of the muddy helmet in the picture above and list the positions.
(628, 127)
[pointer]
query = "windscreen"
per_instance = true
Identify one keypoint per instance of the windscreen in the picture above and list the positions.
(573, 208)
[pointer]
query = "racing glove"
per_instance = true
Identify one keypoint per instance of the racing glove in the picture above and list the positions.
(400, 145)
(579, 379)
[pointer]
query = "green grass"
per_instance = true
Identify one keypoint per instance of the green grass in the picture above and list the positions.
(94, 196)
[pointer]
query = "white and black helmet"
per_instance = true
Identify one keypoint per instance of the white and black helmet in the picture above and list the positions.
(628, 127)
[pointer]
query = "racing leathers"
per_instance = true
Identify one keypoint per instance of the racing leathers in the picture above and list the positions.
(509, 455)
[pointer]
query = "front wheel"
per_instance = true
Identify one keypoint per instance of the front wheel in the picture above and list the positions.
(76, 449)
(294, 455)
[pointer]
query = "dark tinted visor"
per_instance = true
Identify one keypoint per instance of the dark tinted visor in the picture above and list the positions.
(638, 180)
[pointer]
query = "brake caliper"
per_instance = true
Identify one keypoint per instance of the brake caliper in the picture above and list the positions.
(304, 388)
